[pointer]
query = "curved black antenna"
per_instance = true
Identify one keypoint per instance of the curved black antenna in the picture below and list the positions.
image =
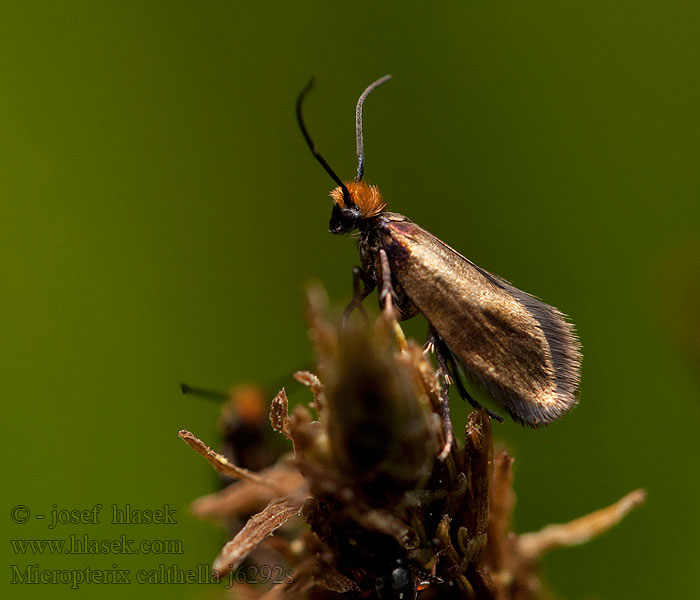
(317, 155)
(358, 125)
(202, 392)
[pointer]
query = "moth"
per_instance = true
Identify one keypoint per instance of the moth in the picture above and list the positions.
(523, 353)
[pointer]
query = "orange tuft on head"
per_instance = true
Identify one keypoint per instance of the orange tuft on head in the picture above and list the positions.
(367, 197)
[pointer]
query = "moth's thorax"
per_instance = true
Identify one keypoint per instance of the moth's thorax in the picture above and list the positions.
(367, 198)
(375, 236)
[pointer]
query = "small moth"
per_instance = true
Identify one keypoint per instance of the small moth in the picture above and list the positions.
(522, 352)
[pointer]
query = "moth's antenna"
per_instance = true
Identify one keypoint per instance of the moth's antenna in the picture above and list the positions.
(358, 125)
(317, 155)
(204, 393)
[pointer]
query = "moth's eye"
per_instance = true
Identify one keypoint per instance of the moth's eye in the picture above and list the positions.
(344, 219)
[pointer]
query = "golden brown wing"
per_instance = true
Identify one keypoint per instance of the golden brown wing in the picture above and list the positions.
(521, 351)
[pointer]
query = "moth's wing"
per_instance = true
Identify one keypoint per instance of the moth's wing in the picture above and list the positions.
(521, 351)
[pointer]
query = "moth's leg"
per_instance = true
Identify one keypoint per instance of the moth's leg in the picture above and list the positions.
(454, 372)
(436, 345)
(429, 346)
(469, 398)
(387, 296)
(362, 286)
(388, 300)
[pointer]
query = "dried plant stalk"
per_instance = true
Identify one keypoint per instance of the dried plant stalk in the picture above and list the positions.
(578, 531)
(257, 528)
(221, 463)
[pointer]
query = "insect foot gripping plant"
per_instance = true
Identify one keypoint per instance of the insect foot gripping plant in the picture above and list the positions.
(365, 506)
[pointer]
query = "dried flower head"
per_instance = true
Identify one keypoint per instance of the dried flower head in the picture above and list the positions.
(374, 502)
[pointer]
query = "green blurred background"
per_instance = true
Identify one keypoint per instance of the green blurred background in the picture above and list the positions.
(161, 214)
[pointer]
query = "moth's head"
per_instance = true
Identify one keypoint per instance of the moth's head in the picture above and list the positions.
(352, 203)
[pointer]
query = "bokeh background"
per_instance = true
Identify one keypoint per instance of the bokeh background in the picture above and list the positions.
(160, 216)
